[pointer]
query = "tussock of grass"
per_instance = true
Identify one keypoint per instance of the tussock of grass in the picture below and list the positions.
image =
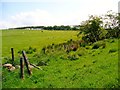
(112, 50)
(99, 44)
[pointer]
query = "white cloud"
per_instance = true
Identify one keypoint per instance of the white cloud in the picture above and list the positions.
(36, 17)
(40, 17)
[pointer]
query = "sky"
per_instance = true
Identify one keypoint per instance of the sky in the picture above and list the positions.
(15, 13)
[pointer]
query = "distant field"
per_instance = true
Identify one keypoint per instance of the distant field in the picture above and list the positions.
(21, 39)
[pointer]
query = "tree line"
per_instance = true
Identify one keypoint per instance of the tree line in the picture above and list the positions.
(55, 27)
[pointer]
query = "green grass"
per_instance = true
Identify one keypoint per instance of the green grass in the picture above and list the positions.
(22, 39)
(93, 68)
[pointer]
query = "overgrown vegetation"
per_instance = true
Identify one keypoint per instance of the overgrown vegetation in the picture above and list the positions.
(83, 68)
(101, 27)
(85, 60)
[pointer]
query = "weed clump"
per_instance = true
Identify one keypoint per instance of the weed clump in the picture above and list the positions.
(20, 51)
(30, 50)
(72, 57)
(7, 60)
(42, 63)
(112, 50)
(98, 45)
(94, 61)
(81, 51)
(112, 41)
(37, 55)
(87, 47)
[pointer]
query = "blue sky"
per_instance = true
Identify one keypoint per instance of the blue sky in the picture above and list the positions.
(51, 12)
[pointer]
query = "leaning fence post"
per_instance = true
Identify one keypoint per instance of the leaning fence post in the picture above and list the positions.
(26, 62)
(12, 52)
(21, 68)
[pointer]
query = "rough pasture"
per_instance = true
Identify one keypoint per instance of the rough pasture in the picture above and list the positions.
(89, 66)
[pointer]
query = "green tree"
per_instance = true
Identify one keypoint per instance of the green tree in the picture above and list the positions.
(92, 28)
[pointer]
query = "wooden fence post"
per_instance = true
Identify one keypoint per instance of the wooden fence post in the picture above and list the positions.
(21, 68)
(26, 62)
(12, 52)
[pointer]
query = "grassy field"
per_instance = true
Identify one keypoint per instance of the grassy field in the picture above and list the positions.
(21, 39)
(87, 67)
